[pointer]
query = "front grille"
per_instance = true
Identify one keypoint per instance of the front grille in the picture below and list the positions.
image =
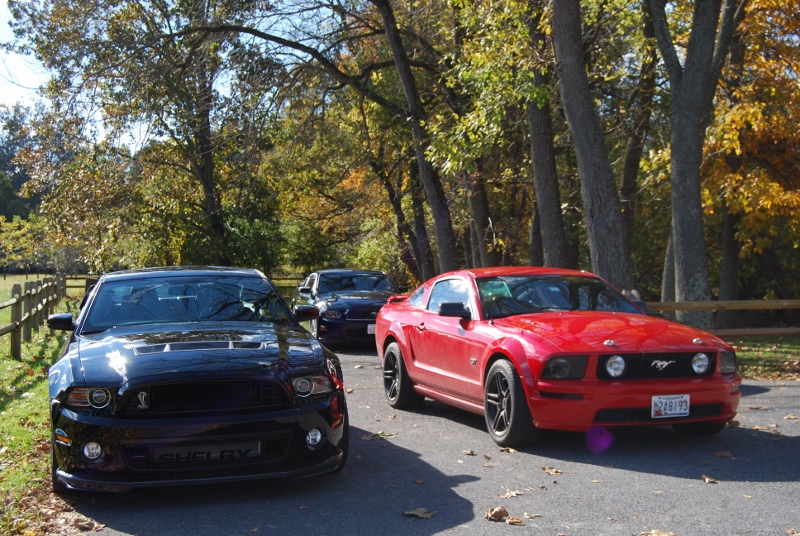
(640, 415)
(656, 366)
(205, 397)
(362, 314)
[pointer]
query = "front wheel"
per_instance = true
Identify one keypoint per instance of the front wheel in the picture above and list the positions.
(508, 417)
(396, 384)
(700, 429)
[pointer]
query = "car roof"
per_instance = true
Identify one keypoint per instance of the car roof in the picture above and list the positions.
(347, 271)
(181, 271)
(496, 271)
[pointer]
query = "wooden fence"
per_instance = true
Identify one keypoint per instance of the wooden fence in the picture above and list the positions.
(30, 305)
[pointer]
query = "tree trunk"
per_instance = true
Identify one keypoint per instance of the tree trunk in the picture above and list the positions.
(547, 208)
(445, 237)
(536, 249)
(642, 110)
(692, 88)
(425, 259)
(598, 188)
(479, 211)
(668, 276)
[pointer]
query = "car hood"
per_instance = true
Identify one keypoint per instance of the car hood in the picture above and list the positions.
(197, 350)
(592, 332)
(356, 297)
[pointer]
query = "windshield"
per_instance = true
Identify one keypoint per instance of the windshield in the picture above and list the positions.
(523, 294)
(184, 299)
(340, 282)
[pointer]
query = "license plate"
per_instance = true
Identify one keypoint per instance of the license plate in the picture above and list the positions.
(370, 329)
(207, 453)
(669, 406)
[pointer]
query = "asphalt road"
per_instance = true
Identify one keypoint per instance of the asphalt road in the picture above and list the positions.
(647, 481)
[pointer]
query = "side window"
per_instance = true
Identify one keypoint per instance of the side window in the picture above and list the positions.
(415, 299)
(449, 290)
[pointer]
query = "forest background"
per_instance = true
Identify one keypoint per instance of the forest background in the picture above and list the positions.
(652, 142)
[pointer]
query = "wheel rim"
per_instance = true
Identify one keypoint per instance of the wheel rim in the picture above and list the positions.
(390, 376)
(498, 403)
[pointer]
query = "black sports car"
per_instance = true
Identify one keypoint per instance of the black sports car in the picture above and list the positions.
(192, 375)
(348, 303)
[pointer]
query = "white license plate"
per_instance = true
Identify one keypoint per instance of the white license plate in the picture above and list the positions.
(370, 329)
(669, 406)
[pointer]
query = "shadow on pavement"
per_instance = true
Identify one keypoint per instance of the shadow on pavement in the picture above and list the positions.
(380, 481)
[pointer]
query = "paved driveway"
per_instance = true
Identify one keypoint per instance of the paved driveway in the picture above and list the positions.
(648, 480)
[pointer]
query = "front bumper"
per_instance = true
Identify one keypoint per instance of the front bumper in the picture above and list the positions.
(583, 404)
(346, 331)
(196, 450)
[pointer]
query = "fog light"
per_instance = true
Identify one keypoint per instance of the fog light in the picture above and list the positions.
(559, 368)
(314, 437)
(615, 366)
(700, 363)
(92, 451)
(99, 398)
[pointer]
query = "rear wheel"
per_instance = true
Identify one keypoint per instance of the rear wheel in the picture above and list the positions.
(700, 429)
(397, 385)
(508, 417)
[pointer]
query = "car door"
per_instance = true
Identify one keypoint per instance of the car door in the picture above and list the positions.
(444, 350)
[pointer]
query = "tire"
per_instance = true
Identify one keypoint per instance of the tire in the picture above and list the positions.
(700, 429)
(505, 408)
(58, 485)
(397, 385)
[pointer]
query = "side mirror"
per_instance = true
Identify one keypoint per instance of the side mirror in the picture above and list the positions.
(455, 309)
(61, 321)
(305, 313)
(304, 290)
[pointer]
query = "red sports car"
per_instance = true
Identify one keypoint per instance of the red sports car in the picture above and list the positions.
(537, 348)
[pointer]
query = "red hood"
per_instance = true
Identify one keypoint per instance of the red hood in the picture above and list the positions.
(588, 331)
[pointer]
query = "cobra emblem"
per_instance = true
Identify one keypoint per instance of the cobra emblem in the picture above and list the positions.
(661, 365)
(143, 401)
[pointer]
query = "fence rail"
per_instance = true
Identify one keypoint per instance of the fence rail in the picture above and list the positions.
(736, 305)
(30, 305)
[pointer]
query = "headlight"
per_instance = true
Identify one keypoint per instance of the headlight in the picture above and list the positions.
(615, 366)
(333, 313)
(89, 396)
(700, 363)
(569, 367)
(311, 385)
(728, 363)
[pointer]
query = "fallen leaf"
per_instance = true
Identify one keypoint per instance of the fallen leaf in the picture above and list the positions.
(498, 513)
(349, 391)
(542, 486)
(708, 480)
(509, 493)
(304, 508)
(359, 366)
(508, 449)
(747, 496)
(531, 516)
(419, 481)
(723, 454)
(514, 521)
(254, 530)
(758, 408)
(734, 424)
(486, 456)
(359, 457)
(552, 471)
(421, 513)
(593, 481)
(378, 435)
(792, 532)
(394, 416)
(658, 533)
(791, 417)
(469, 452)
(378, 366)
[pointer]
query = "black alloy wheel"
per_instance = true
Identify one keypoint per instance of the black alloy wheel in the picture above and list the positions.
(397, 385)
(506, 408)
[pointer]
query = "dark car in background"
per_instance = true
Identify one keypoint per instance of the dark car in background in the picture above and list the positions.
(348, 302)
(192, 375)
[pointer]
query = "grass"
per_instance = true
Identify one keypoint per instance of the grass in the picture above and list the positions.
(768, 357)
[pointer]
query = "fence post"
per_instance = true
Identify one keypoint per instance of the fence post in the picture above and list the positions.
(26, 312)
(16, 315)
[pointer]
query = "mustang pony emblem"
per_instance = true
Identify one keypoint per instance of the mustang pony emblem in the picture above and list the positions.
(661, 365)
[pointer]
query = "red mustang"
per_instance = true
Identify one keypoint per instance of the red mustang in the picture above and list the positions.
(532, 348)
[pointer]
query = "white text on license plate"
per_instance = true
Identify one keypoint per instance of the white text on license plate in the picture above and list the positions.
(670, 406)
(370, 329)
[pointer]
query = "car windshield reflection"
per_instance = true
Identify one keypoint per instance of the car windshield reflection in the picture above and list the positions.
(524, 294)
(338, 283)
(174, 300)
